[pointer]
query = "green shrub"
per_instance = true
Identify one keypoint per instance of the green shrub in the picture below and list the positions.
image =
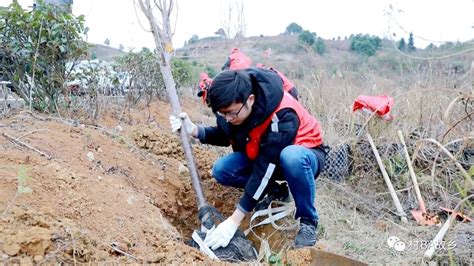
(411, 43)
(365, 44)
(39, 44)
(144, 72)
(181, 70)
(193, 39)
(306, 38)
(212, 72)
(293, 28)
(402, 45)
(145, 76)
(319, 46)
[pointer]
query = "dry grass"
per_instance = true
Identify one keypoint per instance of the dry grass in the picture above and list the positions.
(430, 103)
(433, 100)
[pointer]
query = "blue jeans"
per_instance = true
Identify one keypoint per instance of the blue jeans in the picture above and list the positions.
(298, 166)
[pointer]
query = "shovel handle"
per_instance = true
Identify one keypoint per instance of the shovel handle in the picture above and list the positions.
(421, 202)
(188, 153)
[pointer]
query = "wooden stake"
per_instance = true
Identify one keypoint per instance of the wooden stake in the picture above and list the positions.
(421, 202)
(396, 201)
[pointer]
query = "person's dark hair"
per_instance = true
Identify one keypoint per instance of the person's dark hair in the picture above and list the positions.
(228, 87)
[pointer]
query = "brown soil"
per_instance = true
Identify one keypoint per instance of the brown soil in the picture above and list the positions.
(122, 194)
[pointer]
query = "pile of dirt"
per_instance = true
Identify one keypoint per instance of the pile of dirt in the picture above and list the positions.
(99, 194)
(167, 145)
(97, 198)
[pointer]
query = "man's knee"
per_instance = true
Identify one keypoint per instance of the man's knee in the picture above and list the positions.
(218, 170)
(295, 158)
(290, 156)
(231, 170)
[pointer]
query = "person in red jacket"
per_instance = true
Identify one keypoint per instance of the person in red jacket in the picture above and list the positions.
(273, 138)
(204, 84)
(236, 61)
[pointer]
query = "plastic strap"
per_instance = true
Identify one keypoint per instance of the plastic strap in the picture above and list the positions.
(274, 214)
(203, 247)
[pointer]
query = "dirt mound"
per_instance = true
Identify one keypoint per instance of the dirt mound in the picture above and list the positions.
(83, 193)
(169, 145)
(96, 199)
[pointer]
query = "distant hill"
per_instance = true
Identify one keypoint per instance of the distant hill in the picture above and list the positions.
(284, 53)
(106, 53)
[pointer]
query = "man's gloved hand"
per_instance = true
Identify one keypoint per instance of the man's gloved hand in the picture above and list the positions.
(176, 123)
(221, 236)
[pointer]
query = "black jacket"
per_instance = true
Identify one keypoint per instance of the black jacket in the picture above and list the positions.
(268, 90)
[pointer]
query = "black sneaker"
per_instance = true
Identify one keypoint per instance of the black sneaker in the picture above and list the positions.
(306, 236)
(279, 192)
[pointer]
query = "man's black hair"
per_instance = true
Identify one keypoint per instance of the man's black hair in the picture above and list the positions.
(228, 87)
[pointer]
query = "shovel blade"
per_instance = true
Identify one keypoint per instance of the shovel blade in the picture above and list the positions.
(320, 257)
(460, 215)
(425, 218)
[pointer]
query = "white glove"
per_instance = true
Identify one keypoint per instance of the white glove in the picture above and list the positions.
(221, 236)
(176, 123)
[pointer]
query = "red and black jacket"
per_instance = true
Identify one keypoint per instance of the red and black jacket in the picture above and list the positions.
(290, 122)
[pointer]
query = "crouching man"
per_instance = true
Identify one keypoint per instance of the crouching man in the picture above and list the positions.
(273, 137)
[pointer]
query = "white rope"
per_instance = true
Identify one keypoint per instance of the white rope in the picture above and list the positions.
(265, 251)
(274, 214)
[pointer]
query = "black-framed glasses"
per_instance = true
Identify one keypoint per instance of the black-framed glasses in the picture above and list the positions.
(232, 115)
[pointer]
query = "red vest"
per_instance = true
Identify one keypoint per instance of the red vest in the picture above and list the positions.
(309, 131)
(287, 84)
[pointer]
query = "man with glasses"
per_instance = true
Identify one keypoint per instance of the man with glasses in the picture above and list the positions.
(273, 137)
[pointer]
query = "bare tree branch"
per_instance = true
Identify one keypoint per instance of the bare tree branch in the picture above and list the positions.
(19, 142)
(162, 36)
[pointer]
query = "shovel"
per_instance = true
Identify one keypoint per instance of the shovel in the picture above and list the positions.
(239, 248)
(421, 216)
(320, 257)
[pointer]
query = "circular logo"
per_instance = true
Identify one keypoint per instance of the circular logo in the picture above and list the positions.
(392, 240)
(399, 246)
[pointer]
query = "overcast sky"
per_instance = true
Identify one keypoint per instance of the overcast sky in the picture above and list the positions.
(429, 20)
